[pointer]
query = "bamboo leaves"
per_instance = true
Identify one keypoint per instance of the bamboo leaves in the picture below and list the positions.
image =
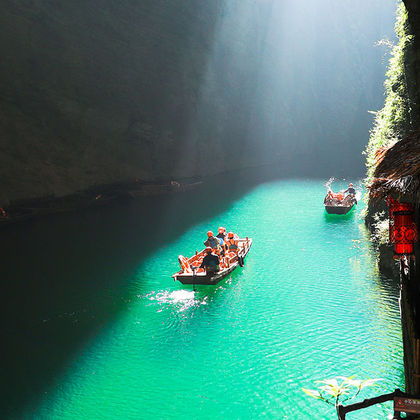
(333, 392)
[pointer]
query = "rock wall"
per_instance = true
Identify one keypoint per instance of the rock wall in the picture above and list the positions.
(403, 71)
(412, 61)
(97, 91)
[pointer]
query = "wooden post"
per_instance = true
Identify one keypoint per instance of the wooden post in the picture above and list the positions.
(343, 410)
(341, 413)
(409, 308)
(416, 356)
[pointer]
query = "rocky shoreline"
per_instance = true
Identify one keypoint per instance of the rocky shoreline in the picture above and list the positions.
(95, 196)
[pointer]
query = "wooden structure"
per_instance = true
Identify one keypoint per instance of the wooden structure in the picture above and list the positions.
(191, 273)
(397, 180)
(339, 208)
(410, 322)
(403, 403)
(397, 171)
(339, 203)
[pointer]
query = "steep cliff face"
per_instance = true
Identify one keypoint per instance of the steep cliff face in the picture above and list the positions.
(397, 122)
(400, 115)
(97, 91)
(412, 60)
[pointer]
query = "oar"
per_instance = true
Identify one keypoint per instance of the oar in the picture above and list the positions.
(240, 259)
(194, 277)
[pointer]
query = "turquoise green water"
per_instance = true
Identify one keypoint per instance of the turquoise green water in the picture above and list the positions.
(308, 305)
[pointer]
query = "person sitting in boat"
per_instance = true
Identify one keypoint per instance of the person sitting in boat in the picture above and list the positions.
(222, 235)
(351, 194)
(232, 243)
(212, 241)
(210, 262)
(329, 197)
(332, 199)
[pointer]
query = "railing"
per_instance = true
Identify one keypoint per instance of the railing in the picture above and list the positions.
(403, 403)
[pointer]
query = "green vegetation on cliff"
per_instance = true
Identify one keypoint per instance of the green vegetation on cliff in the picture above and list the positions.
(393, 121)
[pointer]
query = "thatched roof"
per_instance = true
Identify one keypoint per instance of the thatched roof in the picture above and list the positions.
(397, 170)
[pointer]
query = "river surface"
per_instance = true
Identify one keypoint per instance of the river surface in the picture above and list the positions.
(96, 328)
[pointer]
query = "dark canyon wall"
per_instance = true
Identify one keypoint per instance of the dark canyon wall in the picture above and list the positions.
(412, 61)
(96, 91)
(400, 114)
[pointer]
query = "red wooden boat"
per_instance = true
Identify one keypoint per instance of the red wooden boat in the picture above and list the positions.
(191, 273)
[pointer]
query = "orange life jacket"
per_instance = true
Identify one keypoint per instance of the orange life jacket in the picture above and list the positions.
(232, 244)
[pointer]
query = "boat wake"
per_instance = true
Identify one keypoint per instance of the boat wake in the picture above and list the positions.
(180, 299)
(359, 192)
(329, 183)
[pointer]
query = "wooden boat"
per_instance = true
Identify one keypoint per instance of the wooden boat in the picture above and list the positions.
(191, 273)
(338, 209)
(338, 204)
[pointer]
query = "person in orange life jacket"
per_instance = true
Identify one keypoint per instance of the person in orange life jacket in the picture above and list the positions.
(210, 262)
(232, 243)
(212, 241)
(329, 197)
(222, 236)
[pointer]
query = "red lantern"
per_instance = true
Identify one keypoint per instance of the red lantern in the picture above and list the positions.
(402, 229)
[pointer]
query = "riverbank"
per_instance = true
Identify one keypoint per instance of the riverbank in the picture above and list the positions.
(96, 196)
(125, 191)
(117, 192)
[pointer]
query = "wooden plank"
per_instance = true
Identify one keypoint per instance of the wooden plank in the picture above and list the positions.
(343, 410)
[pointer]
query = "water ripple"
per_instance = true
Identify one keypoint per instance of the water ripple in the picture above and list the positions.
(308, 305)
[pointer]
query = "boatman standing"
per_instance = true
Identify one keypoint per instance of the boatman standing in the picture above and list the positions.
(210, 262)
(351, 195)
(350, 198)
(350, 190)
